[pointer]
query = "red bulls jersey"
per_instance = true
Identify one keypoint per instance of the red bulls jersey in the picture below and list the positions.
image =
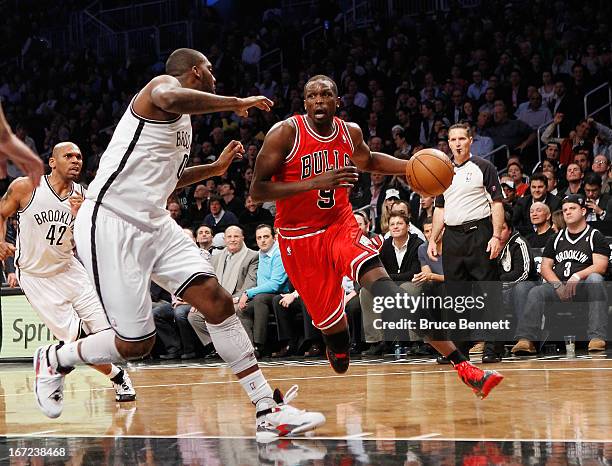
(312, 155)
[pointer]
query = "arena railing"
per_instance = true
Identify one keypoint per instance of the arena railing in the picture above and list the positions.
(607, 105)
(491, 155)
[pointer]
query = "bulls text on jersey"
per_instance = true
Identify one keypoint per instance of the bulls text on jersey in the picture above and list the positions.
(318, 162)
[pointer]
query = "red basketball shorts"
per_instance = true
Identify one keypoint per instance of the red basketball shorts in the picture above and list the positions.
(316, 263)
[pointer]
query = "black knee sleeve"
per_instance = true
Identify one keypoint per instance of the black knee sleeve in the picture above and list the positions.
(338, 343)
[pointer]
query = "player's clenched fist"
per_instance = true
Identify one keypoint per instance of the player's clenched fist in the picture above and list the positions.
(75, 203)
(339, 178)
(6, 250)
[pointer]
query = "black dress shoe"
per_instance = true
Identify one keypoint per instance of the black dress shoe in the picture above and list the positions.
(376, 349)
(491, 358)
(315, 350)
(189, 356)
(167, 357)
(283, 352)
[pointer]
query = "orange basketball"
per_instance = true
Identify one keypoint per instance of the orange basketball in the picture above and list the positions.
(430, 172)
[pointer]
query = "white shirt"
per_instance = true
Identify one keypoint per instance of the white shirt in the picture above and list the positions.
(400, 252)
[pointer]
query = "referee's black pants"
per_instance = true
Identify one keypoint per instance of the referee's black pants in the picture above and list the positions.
(465, 259)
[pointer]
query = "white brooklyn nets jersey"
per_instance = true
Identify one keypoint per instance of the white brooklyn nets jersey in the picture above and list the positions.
(141, 167)
(44, 240)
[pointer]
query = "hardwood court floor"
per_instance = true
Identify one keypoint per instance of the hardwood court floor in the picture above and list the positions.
(539, 399)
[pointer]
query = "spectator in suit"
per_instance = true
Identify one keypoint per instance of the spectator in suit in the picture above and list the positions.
(538, 192)
(601, 166)
(565, 105)
(236, 270)
(219, 219)
(399, 256)
(204, 238)
(599, 205)
(254, 214)
(255, 303)
(541, 219)
(199, 208)
(231, 202)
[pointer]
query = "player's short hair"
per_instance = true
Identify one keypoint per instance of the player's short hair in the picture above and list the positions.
(322, 77)
(428, 221)
(398, 215)
(508, 219)
(464, 126)
(182, 60)
(404, 202)
(261, 226)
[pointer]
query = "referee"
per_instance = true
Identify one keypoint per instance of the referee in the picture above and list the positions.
(471, 214)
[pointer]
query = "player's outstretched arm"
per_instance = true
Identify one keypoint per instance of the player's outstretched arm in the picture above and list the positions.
(168, 95)
(18, 190)
(21, 155)
(269, 162)
(377, 162)
(233, 151)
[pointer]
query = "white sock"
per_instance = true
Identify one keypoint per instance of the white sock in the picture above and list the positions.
(114, 371)
(257, 387)
(98, 348)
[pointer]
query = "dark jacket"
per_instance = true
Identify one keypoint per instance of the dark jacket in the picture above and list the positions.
(410, 263)
(516, 261)
(520, 217)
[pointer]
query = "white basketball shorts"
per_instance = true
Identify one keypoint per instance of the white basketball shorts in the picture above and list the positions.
(122, 259)
(66, 302)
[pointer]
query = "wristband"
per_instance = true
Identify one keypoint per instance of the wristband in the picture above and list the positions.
(577, 276)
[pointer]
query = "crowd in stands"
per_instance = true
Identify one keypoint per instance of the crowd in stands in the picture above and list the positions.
(508, 69)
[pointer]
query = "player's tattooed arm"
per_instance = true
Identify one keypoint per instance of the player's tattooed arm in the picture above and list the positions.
(369, 161)
(277, 145)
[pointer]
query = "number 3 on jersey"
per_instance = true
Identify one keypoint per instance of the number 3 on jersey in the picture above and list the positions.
(326, 198)
(60, 234)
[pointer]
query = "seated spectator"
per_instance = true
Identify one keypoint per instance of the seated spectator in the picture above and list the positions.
(601, 166)
(287, 307)
(603, 139)
(173, 328)
(430, 279)
(515, 171)
(515, 134)
(599, 206)
(219, 219)
(535, 114)
(538, 192)
(507, 184)
(517, 271)
(399, 256)
(176, 213)
(540, 216)
(551, 182)
(199, 208)
(255, 303)
(426, 209)
(582, 157)
(558, 222)
(482, 145)
(579, 135)
(232, 203)
(204, 238)
(574, 177)
(236, 270)
(402, 207)
(573, 271)
(552, 152)
(254, 214)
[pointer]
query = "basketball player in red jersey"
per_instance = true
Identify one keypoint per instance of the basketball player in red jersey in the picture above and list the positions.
(306, 166)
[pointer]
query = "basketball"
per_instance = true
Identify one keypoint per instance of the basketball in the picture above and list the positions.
(429, 172)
